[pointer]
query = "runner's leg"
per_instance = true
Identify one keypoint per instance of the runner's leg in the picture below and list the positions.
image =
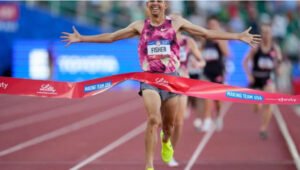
(152, 103)
(267, 110)
(182, 108)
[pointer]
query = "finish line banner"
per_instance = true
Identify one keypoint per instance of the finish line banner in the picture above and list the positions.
(179, 85)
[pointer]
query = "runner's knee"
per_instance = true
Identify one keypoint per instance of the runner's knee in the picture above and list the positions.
(154, 120)
(179, 121)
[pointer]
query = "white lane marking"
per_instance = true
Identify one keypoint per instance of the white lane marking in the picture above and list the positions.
(205, 139)
(51, 114)
(115, 111)
(133, 133)
(286, 134)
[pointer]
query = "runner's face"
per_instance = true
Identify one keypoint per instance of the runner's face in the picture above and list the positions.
(156, 7)
(266, 32)
(213, 24)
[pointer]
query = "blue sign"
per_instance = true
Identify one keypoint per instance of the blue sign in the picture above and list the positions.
(53, 61)
(86, 61)
(244, 96)
(31, 60)
(99, 86)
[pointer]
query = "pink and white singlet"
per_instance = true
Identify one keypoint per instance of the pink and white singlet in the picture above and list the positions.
(158, 48)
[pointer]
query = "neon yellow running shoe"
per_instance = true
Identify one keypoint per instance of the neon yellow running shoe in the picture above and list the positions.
(166, 149)
(150, 168)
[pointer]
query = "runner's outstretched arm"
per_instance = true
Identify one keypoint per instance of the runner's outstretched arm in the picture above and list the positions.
(75, 37)
(185, 25)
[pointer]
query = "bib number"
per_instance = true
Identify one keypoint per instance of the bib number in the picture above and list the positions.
(265, 63)
(160, 47)
(210, 54)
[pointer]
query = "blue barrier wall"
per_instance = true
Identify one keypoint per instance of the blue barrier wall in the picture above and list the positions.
(236, 75)
(75, 63)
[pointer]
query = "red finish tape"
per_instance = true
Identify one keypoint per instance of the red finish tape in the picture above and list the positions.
(180, 85)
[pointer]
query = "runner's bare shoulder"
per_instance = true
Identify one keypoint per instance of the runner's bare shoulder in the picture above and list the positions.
(138, 25)
(176, 20)
(175, 17)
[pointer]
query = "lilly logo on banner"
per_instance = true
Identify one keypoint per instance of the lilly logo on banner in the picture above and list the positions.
(161, 81)
(99, 86)
(244, 96)
(47, 89)
(3, 85)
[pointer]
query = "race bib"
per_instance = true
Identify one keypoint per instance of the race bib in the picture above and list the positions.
(183, 54)
(159, 47)
(210, 54)
(265, 63)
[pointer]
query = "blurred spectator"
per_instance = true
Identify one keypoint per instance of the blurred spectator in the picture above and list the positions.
(105, 14)
(236, 24)
(209, 7)
(252, 19)
(291, 47)
(121, 14)
(265, 18)
(293, 24)
(176, 7)
(279, 26)
(190, 8)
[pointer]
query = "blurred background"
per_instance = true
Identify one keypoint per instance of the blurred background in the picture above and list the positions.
(31, 48)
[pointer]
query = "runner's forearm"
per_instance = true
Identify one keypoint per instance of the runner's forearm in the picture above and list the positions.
(101, 38)
(215, 34)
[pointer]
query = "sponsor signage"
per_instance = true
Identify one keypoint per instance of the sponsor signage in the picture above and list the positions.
(9, 16)
(3, 85)
(99, 86)
(244, 96)
(47, 89)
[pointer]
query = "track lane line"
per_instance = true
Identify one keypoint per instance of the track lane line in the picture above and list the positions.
(53, 113)
(101, 116)
(287, 137)
(16, 106)
(205, 139)
(123, 139)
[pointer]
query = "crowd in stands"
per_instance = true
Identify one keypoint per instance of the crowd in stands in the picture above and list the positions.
(235, 15)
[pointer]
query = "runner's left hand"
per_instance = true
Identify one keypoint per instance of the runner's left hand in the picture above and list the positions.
(251, 39)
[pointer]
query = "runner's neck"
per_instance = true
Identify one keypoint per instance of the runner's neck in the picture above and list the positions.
(266, 46)
(157, 21)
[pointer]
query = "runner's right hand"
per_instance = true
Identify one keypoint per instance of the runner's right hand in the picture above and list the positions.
(71, 37)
